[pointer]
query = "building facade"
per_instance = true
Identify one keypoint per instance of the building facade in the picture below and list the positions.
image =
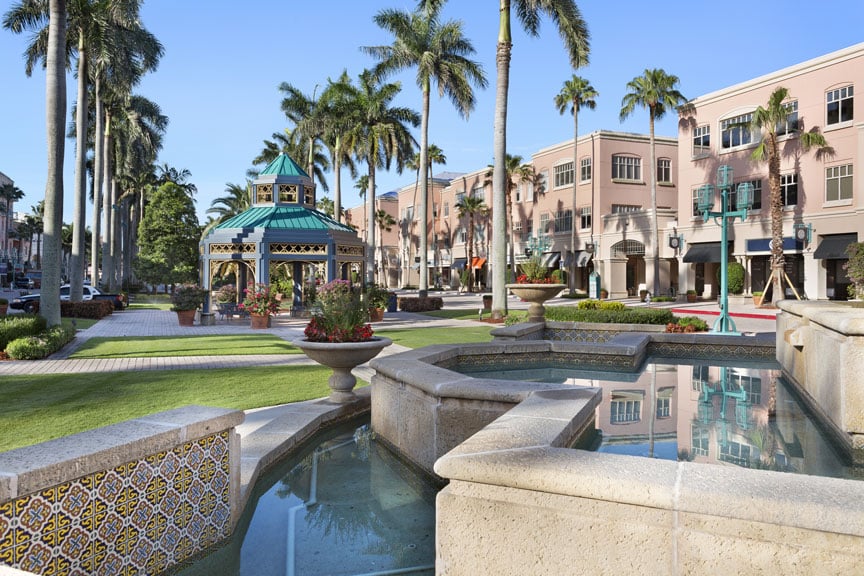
(823, 200)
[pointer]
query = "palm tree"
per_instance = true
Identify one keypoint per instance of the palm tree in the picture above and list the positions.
(9, 194)
(471, 206)
(517, 172)
(238, 198)
(339, 114)
(362, 185)
(655, 90)
(576, 93)
(767, 120)
(441, 54)
(379, 137)
(574, 32)
(309, 116)
(385, 223)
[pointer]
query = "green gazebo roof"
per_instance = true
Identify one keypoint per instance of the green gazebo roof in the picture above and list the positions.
(291, 217)
(283, 165)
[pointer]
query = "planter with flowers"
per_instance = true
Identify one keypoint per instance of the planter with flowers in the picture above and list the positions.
(339, 337)
(535, 286)
(187, 298)
(260, 303)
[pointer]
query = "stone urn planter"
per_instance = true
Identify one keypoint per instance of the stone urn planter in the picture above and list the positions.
(342, 357)
(186, 317)
(259, 321)
(376, 314)
(536, 294)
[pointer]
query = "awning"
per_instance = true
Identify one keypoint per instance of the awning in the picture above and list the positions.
(459, 263)
(790, 244)
(703, 252)
(551, 259)
(477, 263)
(583, 257)
(833, 246)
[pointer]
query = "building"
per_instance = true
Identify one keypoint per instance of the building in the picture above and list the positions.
(387, 262)
(823, 202)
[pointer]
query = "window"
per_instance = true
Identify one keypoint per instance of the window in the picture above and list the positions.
(264, 193)
(434, 210)
(695, 195)
(751, 385)
(626, 168)
(527, 230)
(477, 192)
(544, 223)
(625, 208)
(408, 214)
(446, 210)
(700, 377)
(736, 131)
(699, 443)
(839, 105)
(563, 221)
(585, 169)
(517, 194)
(625, 408)
(563, 174)
(701, 140)
(585, 217)
(735, 453)
(791, 124)
(789, 189)
(460, 196)
(462, 234)
(309, 196)
(663, 407)
(732, 198)
(288, 193)
(838, 184)
(664, 170)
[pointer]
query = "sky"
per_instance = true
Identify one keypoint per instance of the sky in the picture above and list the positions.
(224, 60)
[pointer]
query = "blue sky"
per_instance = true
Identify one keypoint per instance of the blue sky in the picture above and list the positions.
(224, 60)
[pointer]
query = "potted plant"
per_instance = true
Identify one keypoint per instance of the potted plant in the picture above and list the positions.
(260, 303)
(691, 295)
(536, 287)
(757, 298)
(187, 298)
(339, 337)
(4, 306)
(604, 293)
(376, 301)
(227, 294)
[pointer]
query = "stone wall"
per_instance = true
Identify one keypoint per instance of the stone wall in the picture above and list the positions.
(134, 497)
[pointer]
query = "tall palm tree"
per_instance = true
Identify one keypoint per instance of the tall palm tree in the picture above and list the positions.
(385, 223)
(362, 186)
(309, 116)
(577, 93)
(471, 206)
(339, 114)
(655, 90)
(441, 54)
(767, 120)
(379, 137)
(574, 32)
(517, 172)
(238, 198)
(9, 194)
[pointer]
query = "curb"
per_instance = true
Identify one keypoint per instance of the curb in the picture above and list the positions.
(717, 313)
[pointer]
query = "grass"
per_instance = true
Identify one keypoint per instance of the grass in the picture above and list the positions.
(414, 338)
(150, 302)
(47, 406)
(156, 346)
(455, 314)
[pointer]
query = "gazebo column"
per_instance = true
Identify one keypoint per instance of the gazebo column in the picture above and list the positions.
(297, 281)
(263, 269)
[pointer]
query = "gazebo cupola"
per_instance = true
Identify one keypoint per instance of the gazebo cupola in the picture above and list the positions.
(283, 183)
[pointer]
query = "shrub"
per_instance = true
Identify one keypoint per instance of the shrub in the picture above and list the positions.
(613, 315)
(376, 297)
(735, 278)
(663, 299)
(226, 294)
(187, 297)
(4, 302)
(575, 295)
(411, 304)
(19, 326)
(854, 267)
(41, 346)
(600, 305)
(699, 324)
(558, 276)
(94, 309)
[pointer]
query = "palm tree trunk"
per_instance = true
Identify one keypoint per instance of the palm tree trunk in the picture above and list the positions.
(572, 279)
(115, 235)
(107, 212)
(424, 195)
(499, 173)
(55, 105)
(76, 261)
(778, 260)
(469, 265)
(653, 172)
(370, 223)
(97, 187)
(337, 180)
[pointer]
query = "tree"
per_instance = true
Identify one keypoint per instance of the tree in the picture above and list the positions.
(379, 137)
(168, 238)
(340, 113)
(576, 93)
(362, 186)
(441, 54)
(309, 116)
(471, 206)
(385, 223)
(767, 121)
(517, 172)
(655, 90)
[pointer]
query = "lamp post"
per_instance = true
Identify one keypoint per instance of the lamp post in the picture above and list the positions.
(743, 203)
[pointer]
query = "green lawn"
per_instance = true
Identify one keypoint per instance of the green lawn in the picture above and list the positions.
(455, 314)
(43, 407)
(153, 346)
(417, 338)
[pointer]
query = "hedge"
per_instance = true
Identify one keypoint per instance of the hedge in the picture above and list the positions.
(41, 346)
(412, 304)
(600, 305)
(626, 315)
(19, 326)
(94, 309)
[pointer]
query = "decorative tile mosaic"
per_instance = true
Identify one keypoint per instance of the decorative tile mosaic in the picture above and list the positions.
(711, 351)
(138, 518)
(581, 335)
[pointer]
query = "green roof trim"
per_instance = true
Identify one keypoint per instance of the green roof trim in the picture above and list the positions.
(283, 165)
(291, 217)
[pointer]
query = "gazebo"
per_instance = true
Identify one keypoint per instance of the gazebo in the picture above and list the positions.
(283, 230)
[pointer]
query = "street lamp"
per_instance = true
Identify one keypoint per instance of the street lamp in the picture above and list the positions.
(743, 203)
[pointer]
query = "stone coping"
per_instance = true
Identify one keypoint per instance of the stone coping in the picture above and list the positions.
(523, 449)
(846, 318)
(33, 468)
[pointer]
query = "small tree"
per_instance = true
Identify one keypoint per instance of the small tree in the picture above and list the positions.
(855, 269)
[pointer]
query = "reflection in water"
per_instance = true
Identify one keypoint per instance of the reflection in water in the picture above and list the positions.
(346, 507)
(743, 416)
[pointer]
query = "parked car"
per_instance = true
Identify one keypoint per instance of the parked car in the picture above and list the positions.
(28, 302)
(23, 282)
(36, 277)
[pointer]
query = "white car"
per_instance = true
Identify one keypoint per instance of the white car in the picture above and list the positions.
(89, 292)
